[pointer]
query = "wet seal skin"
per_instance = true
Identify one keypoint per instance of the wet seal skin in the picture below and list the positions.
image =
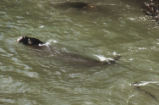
(36, 43)
(29, 41)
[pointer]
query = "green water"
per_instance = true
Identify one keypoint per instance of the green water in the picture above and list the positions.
(30, 76)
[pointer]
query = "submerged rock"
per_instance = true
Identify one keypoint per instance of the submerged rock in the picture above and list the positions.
(77, 5)
(152, 9)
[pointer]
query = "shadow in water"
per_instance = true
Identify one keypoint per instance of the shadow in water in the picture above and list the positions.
(78, 60)
(60, 56)
(86, 7)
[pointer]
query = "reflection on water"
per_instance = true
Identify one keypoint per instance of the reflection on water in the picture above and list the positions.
(35, 77)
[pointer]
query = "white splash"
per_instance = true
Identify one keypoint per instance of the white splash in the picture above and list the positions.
(131, 18)
(20, 38)
(48, 43)
(131, 59)
(143, 83)
(42, 26)
(115, 54)
(45, 44)
(142, 48)
(103, 58)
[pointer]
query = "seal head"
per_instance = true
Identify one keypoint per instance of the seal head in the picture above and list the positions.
(29, 41)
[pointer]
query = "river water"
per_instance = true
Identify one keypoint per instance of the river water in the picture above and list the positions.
(31, 76)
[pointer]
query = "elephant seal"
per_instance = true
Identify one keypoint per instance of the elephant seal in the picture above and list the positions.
(36, 43)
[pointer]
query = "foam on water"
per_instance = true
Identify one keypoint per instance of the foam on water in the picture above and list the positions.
(48, 43)
(144, 83)
(103, 58)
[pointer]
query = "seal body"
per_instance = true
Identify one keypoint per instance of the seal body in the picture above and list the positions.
(66, 56)
(29, 41)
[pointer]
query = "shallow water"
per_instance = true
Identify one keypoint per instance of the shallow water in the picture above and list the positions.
(31, 76)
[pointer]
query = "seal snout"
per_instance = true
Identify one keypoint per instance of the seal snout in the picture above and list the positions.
(19, 39)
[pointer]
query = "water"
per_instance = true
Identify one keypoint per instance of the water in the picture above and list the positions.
(35, 77)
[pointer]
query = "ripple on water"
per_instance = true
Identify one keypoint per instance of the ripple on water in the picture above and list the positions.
(28, 74)
(2, 51)
(10, 85)
(15, 90)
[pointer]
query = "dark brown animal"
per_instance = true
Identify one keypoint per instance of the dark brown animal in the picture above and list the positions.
(29, 41)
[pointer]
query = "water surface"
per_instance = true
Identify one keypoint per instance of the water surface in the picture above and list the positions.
(34, 77)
